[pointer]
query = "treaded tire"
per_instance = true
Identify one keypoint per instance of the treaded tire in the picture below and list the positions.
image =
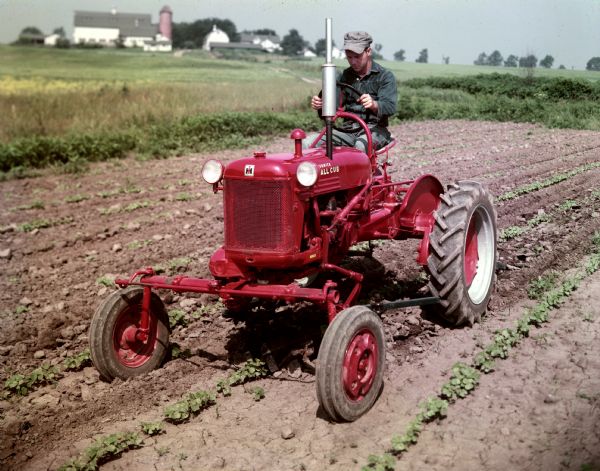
(463, 253)
(119, 310)
(353, 348)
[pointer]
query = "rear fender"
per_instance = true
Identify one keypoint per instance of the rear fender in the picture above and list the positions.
(420, 201)
(416, 213)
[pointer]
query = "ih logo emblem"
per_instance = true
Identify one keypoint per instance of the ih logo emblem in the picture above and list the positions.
(249, 170)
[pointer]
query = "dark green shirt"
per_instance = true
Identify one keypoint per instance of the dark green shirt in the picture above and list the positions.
(380, 83)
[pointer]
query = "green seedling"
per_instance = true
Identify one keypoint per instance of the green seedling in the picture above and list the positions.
(462, 381)
(105, 281)
(37, 204)
(104, 449)
(177, 317)
(78, 362)
(258, 393)
(541, 285)
(152, 428)
(76, 198)
(385, 462)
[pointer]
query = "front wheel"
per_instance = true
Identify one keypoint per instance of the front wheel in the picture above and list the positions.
(350, 364)
(463, 253)
(116, 349)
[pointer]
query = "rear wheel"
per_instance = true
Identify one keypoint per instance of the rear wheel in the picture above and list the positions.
(116, 349)
(463, 253)
(350, 364)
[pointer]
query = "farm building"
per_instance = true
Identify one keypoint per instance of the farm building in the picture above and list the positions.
(129, 29)
(268, 42)
(218, 39)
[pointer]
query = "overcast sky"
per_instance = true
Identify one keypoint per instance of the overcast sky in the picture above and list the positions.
(569, 30)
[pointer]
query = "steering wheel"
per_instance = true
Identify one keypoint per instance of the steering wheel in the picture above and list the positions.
(355, 127)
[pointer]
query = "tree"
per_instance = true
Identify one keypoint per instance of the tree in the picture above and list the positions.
(495, 59)
(593, 64)
(30, 35)
(400, 55)
(446, 59)
(30, 30)
(423, 56)
(60, 31)
(265, 31)
(547, 61)
(482, 59)
(529, 61)
(511, 61)
(63, 43)
(292, 43)
(321, 47)
(377, 51)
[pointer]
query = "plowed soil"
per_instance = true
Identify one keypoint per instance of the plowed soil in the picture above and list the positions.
(538, 410)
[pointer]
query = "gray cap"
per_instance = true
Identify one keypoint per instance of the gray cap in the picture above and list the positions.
(357, 41)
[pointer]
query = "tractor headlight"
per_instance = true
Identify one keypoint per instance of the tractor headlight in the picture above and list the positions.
(212, 171)
(307, 174)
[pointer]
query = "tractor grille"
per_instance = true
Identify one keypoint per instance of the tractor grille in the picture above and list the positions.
(258, 215)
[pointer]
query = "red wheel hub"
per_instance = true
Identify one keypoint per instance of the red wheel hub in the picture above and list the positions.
(133, 346)
(360, 365)
(471, 252)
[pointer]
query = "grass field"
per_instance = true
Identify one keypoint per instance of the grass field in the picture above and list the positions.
(100, 95)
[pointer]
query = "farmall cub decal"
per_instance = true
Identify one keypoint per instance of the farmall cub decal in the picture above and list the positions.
(249, 170)
(327, 168)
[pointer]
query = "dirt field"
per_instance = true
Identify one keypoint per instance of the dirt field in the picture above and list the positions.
(538, 410)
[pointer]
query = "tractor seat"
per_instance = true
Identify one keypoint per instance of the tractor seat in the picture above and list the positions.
(385, 151)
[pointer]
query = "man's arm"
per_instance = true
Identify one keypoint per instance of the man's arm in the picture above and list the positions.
(387, 95)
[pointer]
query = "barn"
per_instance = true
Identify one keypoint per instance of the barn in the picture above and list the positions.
(128, 29)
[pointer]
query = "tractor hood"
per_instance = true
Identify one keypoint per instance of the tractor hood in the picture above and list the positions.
(349, 168)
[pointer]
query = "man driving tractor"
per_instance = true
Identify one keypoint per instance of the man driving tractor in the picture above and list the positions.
(377, 100)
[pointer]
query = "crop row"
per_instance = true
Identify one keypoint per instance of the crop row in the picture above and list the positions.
(553, 180)
(465, 378)
(111, 446)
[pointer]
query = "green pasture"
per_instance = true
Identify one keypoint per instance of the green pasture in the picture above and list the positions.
(75, 105)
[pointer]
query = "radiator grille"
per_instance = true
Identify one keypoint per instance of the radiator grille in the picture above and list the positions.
(258, 215)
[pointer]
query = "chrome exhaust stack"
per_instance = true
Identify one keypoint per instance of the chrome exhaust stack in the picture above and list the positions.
(329, 90)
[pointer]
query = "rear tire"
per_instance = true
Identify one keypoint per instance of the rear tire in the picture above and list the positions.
(350, 364)
(463, 253)
(112, 354)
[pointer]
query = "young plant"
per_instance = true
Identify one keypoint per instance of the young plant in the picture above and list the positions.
(177, 317)
(78, 362)
(463, 380)
(152, 428)
(104, 449)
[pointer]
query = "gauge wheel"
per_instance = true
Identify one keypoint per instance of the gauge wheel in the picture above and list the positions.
(350, 364)
(117, 349)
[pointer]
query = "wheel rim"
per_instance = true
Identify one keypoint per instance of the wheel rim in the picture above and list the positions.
(130, 351)
(360, 365)
(479, 255)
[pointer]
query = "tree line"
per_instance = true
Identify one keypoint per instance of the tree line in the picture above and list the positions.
(191, 36)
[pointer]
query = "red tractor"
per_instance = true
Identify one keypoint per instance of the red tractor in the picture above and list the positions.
(289, 220)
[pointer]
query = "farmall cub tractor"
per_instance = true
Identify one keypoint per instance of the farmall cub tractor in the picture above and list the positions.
(290, 219)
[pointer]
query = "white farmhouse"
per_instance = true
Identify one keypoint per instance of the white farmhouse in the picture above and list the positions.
(268, 42)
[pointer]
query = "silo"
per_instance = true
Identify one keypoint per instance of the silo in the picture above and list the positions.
(164, 23)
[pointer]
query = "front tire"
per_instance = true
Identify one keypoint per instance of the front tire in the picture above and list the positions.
(350, 364)
(115, 352)
(463, 253)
